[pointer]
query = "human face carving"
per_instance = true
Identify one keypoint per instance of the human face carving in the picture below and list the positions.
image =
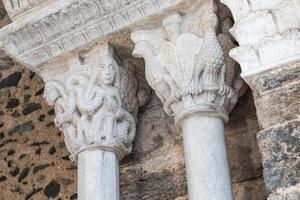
(108, 73)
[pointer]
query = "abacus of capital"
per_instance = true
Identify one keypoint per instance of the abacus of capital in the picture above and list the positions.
(96, 96)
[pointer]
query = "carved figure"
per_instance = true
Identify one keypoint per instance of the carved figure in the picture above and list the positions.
(90, 107)
(65, 109)
(185, 61)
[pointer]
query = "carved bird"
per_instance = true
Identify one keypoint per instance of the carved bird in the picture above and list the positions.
(210, 59)
(157, 76)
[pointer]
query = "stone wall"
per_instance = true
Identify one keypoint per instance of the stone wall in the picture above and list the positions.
(34, 163)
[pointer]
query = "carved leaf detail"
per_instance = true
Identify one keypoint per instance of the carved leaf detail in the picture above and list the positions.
(188, 46)
(168, 57)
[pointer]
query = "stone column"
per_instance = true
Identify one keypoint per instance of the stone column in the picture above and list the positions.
(186, 65)
(95, 104)
(269, 54)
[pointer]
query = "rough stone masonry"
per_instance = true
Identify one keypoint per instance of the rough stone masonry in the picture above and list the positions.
(262, 135)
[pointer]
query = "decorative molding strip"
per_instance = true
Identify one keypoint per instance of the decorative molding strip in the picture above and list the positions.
(41, 37)
(18, 8)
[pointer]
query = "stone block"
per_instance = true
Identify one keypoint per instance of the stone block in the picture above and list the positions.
(280, 148)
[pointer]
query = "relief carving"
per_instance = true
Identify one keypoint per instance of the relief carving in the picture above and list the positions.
(262, 26)
(73, 25)
(95, 103)
(186, 66)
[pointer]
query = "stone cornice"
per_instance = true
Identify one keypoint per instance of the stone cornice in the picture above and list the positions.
(19, 8)
(267, 32)
(62, 26)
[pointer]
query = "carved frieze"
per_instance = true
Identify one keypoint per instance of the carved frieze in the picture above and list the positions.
(95, 103)
(62, 26)
(267, 32)
(186, 64)
(16, 8)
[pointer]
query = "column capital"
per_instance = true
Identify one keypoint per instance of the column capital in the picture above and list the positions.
(186, 64)
(267, 32)
(95, 102)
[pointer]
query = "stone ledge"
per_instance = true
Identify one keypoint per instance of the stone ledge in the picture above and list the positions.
(66, 25)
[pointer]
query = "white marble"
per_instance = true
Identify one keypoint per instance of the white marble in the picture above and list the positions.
(267, 32)
(206, 159)
(44, 30)
(96, 103)
(186, 66)
(98, 175)
(89, 101)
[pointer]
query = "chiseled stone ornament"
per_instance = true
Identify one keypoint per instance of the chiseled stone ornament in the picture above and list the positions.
(267, 32)
(18, 8)
(95, 103)
(186, 65)
(53, 28)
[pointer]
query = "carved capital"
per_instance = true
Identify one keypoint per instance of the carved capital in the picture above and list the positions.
(267, 32)
(95, 102)
(187, 64)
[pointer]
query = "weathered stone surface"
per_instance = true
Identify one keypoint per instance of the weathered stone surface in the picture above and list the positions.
(52, 189)
(275, 79)
(12, 103)
(57, 28)
(250, 190)
(6, 62)
(11, 80)
(260, 28)
(277, 94)
(157, 152)
(281, 152)
(154, 170)
(31, 107)
(40, 167)
(3, 178)
(291, 195)
(27, 126)
(24, 173)
(32, 193)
